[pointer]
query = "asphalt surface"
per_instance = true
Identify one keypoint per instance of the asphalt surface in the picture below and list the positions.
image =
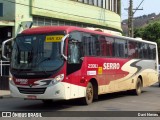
(149, 100)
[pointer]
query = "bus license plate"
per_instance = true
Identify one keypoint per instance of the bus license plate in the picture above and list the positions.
(31, 97)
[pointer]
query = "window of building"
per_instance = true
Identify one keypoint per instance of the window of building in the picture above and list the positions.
(61, 23)
(109, 2)
(86, 1)
(106, 4)
(118, 7)
(91, 2)
(54, 22)
(115, 6)
(35, 21)
(100, 3)
(95, 3)
(112, 5)
(41, 21)
(81, 1)
(47, 22)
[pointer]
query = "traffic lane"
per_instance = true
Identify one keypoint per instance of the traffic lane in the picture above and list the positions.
(122, 101)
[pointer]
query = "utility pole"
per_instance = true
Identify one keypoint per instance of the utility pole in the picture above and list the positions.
(130, 17)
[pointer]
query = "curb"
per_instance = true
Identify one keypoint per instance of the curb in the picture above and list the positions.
(5, 96)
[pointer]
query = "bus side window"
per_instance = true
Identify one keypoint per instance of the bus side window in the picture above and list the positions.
(154, 52)
(132, 49)
(103, 46)
(109, 47)
(145, 51)
(74, 48)
(90, 45)
(120, 48)
(151, 53)
(140, 48)
(73, 52)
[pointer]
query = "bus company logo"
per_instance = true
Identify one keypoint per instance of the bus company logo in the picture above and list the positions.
(111, 66)
(22, 81)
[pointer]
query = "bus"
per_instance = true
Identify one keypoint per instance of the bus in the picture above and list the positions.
(66, 62)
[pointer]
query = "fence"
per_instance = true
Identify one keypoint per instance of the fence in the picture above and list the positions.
(4, 75)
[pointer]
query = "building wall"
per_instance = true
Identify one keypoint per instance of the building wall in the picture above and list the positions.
(22, 13)
(90, 14)
(8, 10)
(72, 10)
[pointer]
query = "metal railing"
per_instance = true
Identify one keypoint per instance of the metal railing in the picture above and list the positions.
(4, 66)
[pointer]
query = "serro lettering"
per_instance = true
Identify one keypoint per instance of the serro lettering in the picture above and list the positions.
(111, 66)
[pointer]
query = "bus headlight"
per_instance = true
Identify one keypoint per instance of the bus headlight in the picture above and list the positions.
(58, 79)
(11, 80)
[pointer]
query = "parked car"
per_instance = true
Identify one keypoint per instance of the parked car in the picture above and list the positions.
(159, 75)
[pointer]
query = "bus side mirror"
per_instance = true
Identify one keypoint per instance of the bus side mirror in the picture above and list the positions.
(6, 49)
(62, 46)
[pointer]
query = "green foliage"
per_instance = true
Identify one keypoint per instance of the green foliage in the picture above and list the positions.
(150, 33)
(138, 32)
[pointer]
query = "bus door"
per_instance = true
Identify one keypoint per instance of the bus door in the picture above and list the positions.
(74, 64)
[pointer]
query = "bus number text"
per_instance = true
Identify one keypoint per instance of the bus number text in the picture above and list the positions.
(92, 65)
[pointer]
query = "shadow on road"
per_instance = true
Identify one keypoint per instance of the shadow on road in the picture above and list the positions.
(65, 104)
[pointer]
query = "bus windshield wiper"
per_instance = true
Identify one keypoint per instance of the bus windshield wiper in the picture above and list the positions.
(46, 59)
(43, 69)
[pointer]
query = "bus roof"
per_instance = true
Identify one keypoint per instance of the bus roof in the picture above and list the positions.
(68, 29)
(49, 29)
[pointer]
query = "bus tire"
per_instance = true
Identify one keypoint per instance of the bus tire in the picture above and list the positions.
(138, 89)
(88, 99)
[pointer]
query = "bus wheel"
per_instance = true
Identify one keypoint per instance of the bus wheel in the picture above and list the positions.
(88, 99)
(138, 89)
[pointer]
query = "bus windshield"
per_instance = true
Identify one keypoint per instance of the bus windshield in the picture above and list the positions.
(37, 53)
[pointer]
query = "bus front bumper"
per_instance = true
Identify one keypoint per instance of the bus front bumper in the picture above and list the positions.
(55, 92)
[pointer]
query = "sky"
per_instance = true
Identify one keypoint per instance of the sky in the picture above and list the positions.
(149, 6)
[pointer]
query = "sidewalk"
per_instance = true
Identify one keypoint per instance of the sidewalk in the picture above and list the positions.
(4, 94)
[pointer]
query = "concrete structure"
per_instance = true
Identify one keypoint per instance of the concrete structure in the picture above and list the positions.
(103, 14)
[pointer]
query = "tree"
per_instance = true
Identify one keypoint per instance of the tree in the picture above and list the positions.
(138, 32)
(152, 32)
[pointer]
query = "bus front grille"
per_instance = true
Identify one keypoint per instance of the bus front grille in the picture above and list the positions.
(31, 90)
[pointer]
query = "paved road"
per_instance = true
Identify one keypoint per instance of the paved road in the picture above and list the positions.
(149, 100)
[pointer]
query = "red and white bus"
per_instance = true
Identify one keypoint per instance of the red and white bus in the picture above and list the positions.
(66, 62)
